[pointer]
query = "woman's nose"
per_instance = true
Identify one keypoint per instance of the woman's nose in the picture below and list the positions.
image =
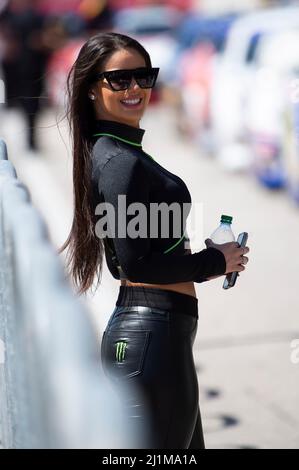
(133, 84)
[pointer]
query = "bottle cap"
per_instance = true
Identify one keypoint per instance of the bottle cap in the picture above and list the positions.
(226, 219)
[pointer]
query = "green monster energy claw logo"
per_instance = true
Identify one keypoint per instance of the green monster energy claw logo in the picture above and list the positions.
(120, 351)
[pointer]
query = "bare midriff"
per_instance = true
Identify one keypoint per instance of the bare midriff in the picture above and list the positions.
(182, 287)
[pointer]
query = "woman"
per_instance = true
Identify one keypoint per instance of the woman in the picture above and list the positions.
(149, 337)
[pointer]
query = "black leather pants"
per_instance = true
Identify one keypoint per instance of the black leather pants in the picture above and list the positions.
(148, 345)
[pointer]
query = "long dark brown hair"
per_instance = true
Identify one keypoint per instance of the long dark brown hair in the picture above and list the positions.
(85, 249)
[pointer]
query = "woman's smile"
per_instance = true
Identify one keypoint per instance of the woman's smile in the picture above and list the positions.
(132, 102)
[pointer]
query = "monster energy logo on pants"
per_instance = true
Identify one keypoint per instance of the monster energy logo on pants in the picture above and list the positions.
(120, 350)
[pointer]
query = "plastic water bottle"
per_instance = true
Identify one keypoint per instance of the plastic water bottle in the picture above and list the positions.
(223, 233)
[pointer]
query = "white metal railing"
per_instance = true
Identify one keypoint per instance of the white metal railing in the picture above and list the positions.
(53, 393)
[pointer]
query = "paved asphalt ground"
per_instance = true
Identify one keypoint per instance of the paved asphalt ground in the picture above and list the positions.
(249, 387)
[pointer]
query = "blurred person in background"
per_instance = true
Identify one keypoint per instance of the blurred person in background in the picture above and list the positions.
(149, 337)
(28, 38)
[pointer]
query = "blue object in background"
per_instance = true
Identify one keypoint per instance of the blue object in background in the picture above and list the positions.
(198, 28)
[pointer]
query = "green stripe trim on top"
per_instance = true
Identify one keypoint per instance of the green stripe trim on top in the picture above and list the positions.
(122, 140)
(172, 247)
(119, 138)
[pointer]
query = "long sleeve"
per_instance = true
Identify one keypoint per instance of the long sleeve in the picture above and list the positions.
(125, 175)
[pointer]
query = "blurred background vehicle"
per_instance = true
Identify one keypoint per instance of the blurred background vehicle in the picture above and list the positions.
(232, 81)
(290, 142)
(268, 103)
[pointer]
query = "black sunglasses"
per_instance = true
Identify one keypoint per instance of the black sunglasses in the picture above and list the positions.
(121, 79)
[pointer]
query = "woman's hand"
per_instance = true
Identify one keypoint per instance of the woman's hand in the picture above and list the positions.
(234, 256)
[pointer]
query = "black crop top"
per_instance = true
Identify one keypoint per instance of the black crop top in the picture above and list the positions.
(120, 167)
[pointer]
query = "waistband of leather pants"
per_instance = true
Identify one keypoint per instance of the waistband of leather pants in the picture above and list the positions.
(164, 299)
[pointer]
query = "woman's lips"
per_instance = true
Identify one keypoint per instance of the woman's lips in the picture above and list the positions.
(131, 102)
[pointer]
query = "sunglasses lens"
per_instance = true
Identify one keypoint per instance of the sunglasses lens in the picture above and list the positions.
(146, 78)
(121, 79)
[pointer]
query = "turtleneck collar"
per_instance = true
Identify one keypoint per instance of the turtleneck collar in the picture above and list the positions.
(130, 134)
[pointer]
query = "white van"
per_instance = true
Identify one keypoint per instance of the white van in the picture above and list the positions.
(232, 79)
